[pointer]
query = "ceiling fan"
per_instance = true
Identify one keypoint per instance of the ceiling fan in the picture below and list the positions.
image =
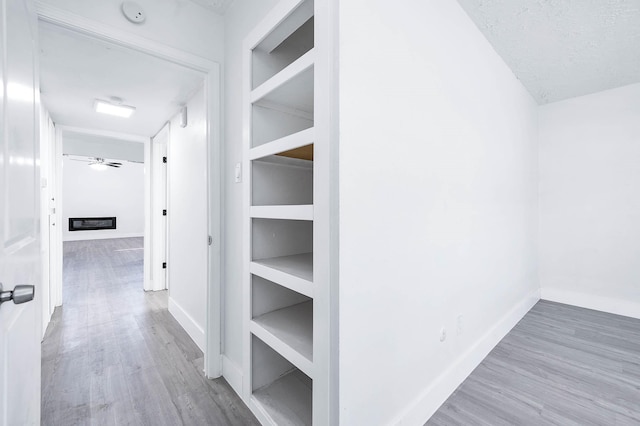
(99, 163)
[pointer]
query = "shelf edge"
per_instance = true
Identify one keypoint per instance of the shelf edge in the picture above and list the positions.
(294, 212)
(297, 284)
(293, 70)
(287, 143)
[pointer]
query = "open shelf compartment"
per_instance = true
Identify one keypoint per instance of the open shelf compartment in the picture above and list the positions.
(277, 180)
(282, 391)
(284, 319)
(286, 43)
(275, 238)
(283, 111)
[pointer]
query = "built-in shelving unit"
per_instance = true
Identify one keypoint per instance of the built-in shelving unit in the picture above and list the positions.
(285, 358)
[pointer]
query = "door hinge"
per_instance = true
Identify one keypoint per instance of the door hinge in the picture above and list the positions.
(164, 212)
(164, 159)
(164, 265)
(210, 239)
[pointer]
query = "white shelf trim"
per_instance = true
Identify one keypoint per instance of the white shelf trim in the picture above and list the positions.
(287, 143)
(305, 115)
(300, 65)
(294, 212)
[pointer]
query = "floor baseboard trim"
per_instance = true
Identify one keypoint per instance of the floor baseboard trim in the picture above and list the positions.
(591, 301)
(428, 402)
(232, 374)
(188, 323)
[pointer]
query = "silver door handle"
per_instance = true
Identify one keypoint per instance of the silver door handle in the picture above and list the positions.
(20, 294)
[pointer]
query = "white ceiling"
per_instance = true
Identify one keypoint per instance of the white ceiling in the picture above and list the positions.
(563, 48)
(76, 69)
(218, 6)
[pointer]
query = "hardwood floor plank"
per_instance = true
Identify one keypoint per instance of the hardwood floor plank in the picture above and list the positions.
(560, 365)
(113, 355)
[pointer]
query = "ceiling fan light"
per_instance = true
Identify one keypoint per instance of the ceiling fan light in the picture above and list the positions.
(111, 109)
(98, 166)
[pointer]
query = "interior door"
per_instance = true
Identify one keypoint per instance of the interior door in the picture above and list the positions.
(20, 261)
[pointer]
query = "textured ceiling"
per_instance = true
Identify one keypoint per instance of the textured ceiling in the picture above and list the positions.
(75, 70)
(218, 6)
(563, 48)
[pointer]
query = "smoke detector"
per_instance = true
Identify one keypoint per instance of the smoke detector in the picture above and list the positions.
(133, 12)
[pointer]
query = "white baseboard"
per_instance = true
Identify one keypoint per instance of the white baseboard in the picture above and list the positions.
(46, 320)
(591, 301)
(233, 374)
(188, 323)
(99, 235)
(428, 402)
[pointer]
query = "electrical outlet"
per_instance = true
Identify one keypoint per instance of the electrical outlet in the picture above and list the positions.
(443, 334)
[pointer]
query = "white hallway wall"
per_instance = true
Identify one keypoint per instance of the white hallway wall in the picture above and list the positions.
(438, 205)
(113, 192)
(187, 217)
(590, 201)
(240, 19)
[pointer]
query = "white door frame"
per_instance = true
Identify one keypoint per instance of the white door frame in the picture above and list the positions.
(56, 284)
(159, 200)
(211, 71)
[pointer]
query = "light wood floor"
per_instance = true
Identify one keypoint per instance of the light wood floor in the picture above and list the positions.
(561, 365)
(113, 355)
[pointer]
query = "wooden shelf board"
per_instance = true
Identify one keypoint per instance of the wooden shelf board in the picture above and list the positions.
(291, 73)
(288, 400)
(294, 212)
(303, 153)
(288, 143)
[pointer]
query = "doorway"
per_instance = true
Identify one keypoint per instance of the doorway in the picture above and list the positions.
(207, 92)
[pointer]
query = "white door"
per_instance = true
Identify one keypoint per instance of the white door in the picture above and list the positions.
(20, 261)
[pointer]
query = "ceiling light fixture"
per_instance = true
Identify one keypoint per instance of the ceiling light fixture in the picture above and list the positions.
(111, 109)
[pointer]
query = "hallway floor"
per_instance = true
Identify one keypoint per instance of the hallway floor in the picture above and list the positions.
(561, 365)
(113, 355)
